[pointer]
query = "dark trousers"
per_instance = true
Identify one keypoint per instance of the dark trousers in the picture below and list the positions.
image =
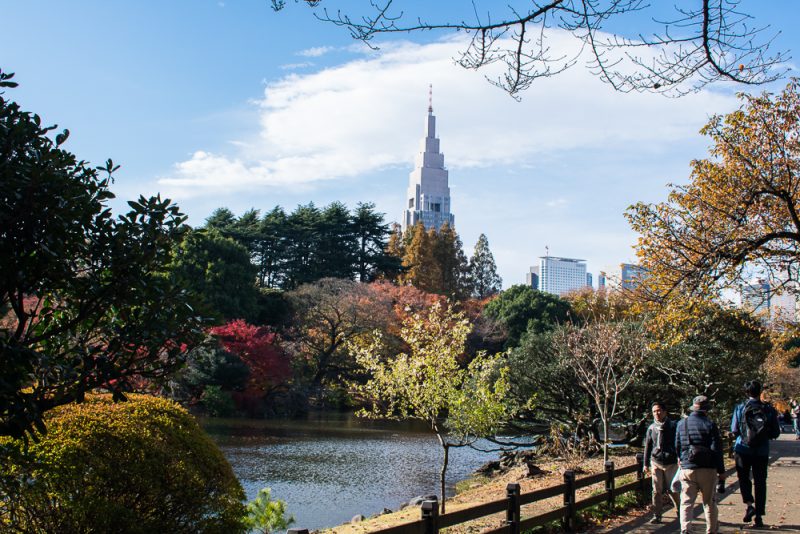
(758, 465)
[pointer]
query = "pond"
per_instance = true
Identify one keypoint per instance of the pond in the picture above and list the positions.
(331, 467)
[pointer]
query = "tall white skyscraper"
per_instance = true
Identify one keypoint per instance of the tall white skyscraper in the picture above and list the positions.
(428, 197)
(561, 275)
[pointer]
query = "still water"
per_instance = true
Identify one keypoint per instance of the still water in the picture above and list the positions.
(329, 468)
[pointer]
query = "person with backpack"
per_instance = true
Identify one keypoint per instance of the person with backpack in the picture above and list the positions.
(699, 448)
(661, 458)
(754, 423)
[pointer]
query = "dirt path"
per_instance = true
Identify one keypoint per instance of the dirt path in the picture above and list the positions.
(783, 500)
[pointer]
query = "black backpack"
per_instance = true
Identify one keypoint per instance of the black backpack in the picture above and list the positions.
(754, 426)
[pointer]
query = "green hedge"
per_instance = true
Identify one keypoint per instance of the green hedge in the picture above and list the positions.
(140, 466)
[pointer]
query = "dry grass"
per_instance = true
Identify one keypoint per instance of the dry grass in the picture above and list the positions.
(490, 491)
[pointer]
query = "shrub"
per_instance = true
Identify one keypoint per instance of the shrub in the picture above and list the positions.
(139, 466)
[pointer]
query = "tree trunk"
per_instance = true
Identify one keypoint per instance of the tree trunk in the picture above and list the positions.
(442, 478)
(605, 429)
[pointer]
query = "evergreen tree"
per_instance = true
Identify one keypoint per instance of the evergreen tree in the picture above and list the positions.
(221, 219)
(483, 271)
(337, 247)
(372, 256)
(219, 270)
(271, 248)
(302, 240)
(395, 252)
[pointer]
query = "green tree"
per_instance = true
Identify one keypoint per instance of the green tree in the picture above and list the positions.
(483, 271)
(207, 365)
(219, 270)
(717, 350)
(302, 239)
(272, 248)
(427, 383)
(337, 246)
(221, 219)
(372, 258)
(265, 515)
(85, 296)
(521, 309)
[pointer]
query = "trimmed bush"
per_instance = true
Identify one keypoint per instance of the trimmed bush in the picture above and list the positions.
(140, 466)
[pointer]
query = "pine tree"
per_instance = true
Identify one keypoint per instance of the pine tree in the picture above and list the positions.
(272, 243)
(370, 232)
(483, 271)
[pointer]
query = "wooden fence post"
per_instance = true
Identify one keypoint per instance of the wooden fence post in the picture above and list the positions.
(569, 500)
(609, 465)
(430, 514)
(512, 512)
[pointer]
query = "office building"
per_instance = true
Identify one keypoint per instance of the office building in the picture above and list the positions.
(532, 277)
(428, 197)
(561, 275)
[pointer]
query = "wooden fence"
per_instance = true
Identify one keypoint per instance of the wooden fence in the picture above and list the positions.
(431, 522)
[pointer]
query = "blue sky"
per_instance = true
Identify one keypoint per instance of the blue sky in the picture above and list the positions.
(227, 103)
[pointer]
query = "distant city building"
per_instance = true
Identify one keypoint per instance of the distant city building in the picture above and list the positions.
(428, 197)
(589, 279)
(622, 276)
(561, 275)
(532, 277)
(761, 299)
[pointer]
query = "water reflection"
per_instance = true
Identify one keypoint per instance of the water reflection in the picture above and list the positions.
(330, 468)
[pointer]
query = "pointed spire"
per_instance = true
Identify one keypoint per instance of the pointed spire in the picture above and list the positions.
(430, 98)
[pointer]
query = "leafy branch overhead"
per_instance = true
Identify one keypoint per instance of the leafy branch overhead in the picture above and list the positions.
(706, 42)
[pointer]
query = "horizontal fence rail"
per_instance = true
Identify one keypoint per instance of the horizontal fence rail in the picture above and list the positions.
(431, 522)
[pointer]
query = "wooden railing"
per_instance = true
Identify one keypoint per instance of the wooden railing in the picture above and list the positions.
(431, 521)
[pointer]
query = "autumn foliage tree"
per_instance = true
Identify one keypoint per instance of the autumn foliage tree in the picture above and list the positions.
(739, 215)
(258, 348)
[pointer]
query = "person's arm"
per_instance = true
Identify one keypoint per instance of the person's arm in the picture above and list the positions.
(648, 447)
(735, 421)
(678, 441)
(716, 446)
(775, 428)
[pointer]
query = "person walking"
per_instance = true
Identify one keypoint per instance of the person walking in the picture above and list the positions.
(754, 423)
(795, 417)
(699, 448)
(661, 458)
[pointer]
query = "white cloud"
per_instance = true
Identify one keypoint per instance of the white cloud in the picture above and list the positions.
(295, 66)
(316, 51)
(367, 114)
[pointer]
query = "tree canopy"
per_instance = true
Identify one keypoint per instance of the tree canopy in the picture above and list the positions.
(85, 298)
(522, 309)
(738, 215)
(674, 52)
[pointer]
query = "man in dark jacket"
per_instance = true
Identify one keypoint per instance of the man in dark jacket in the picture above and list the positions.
(699, 449)
(754, 423)
(661, 458)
